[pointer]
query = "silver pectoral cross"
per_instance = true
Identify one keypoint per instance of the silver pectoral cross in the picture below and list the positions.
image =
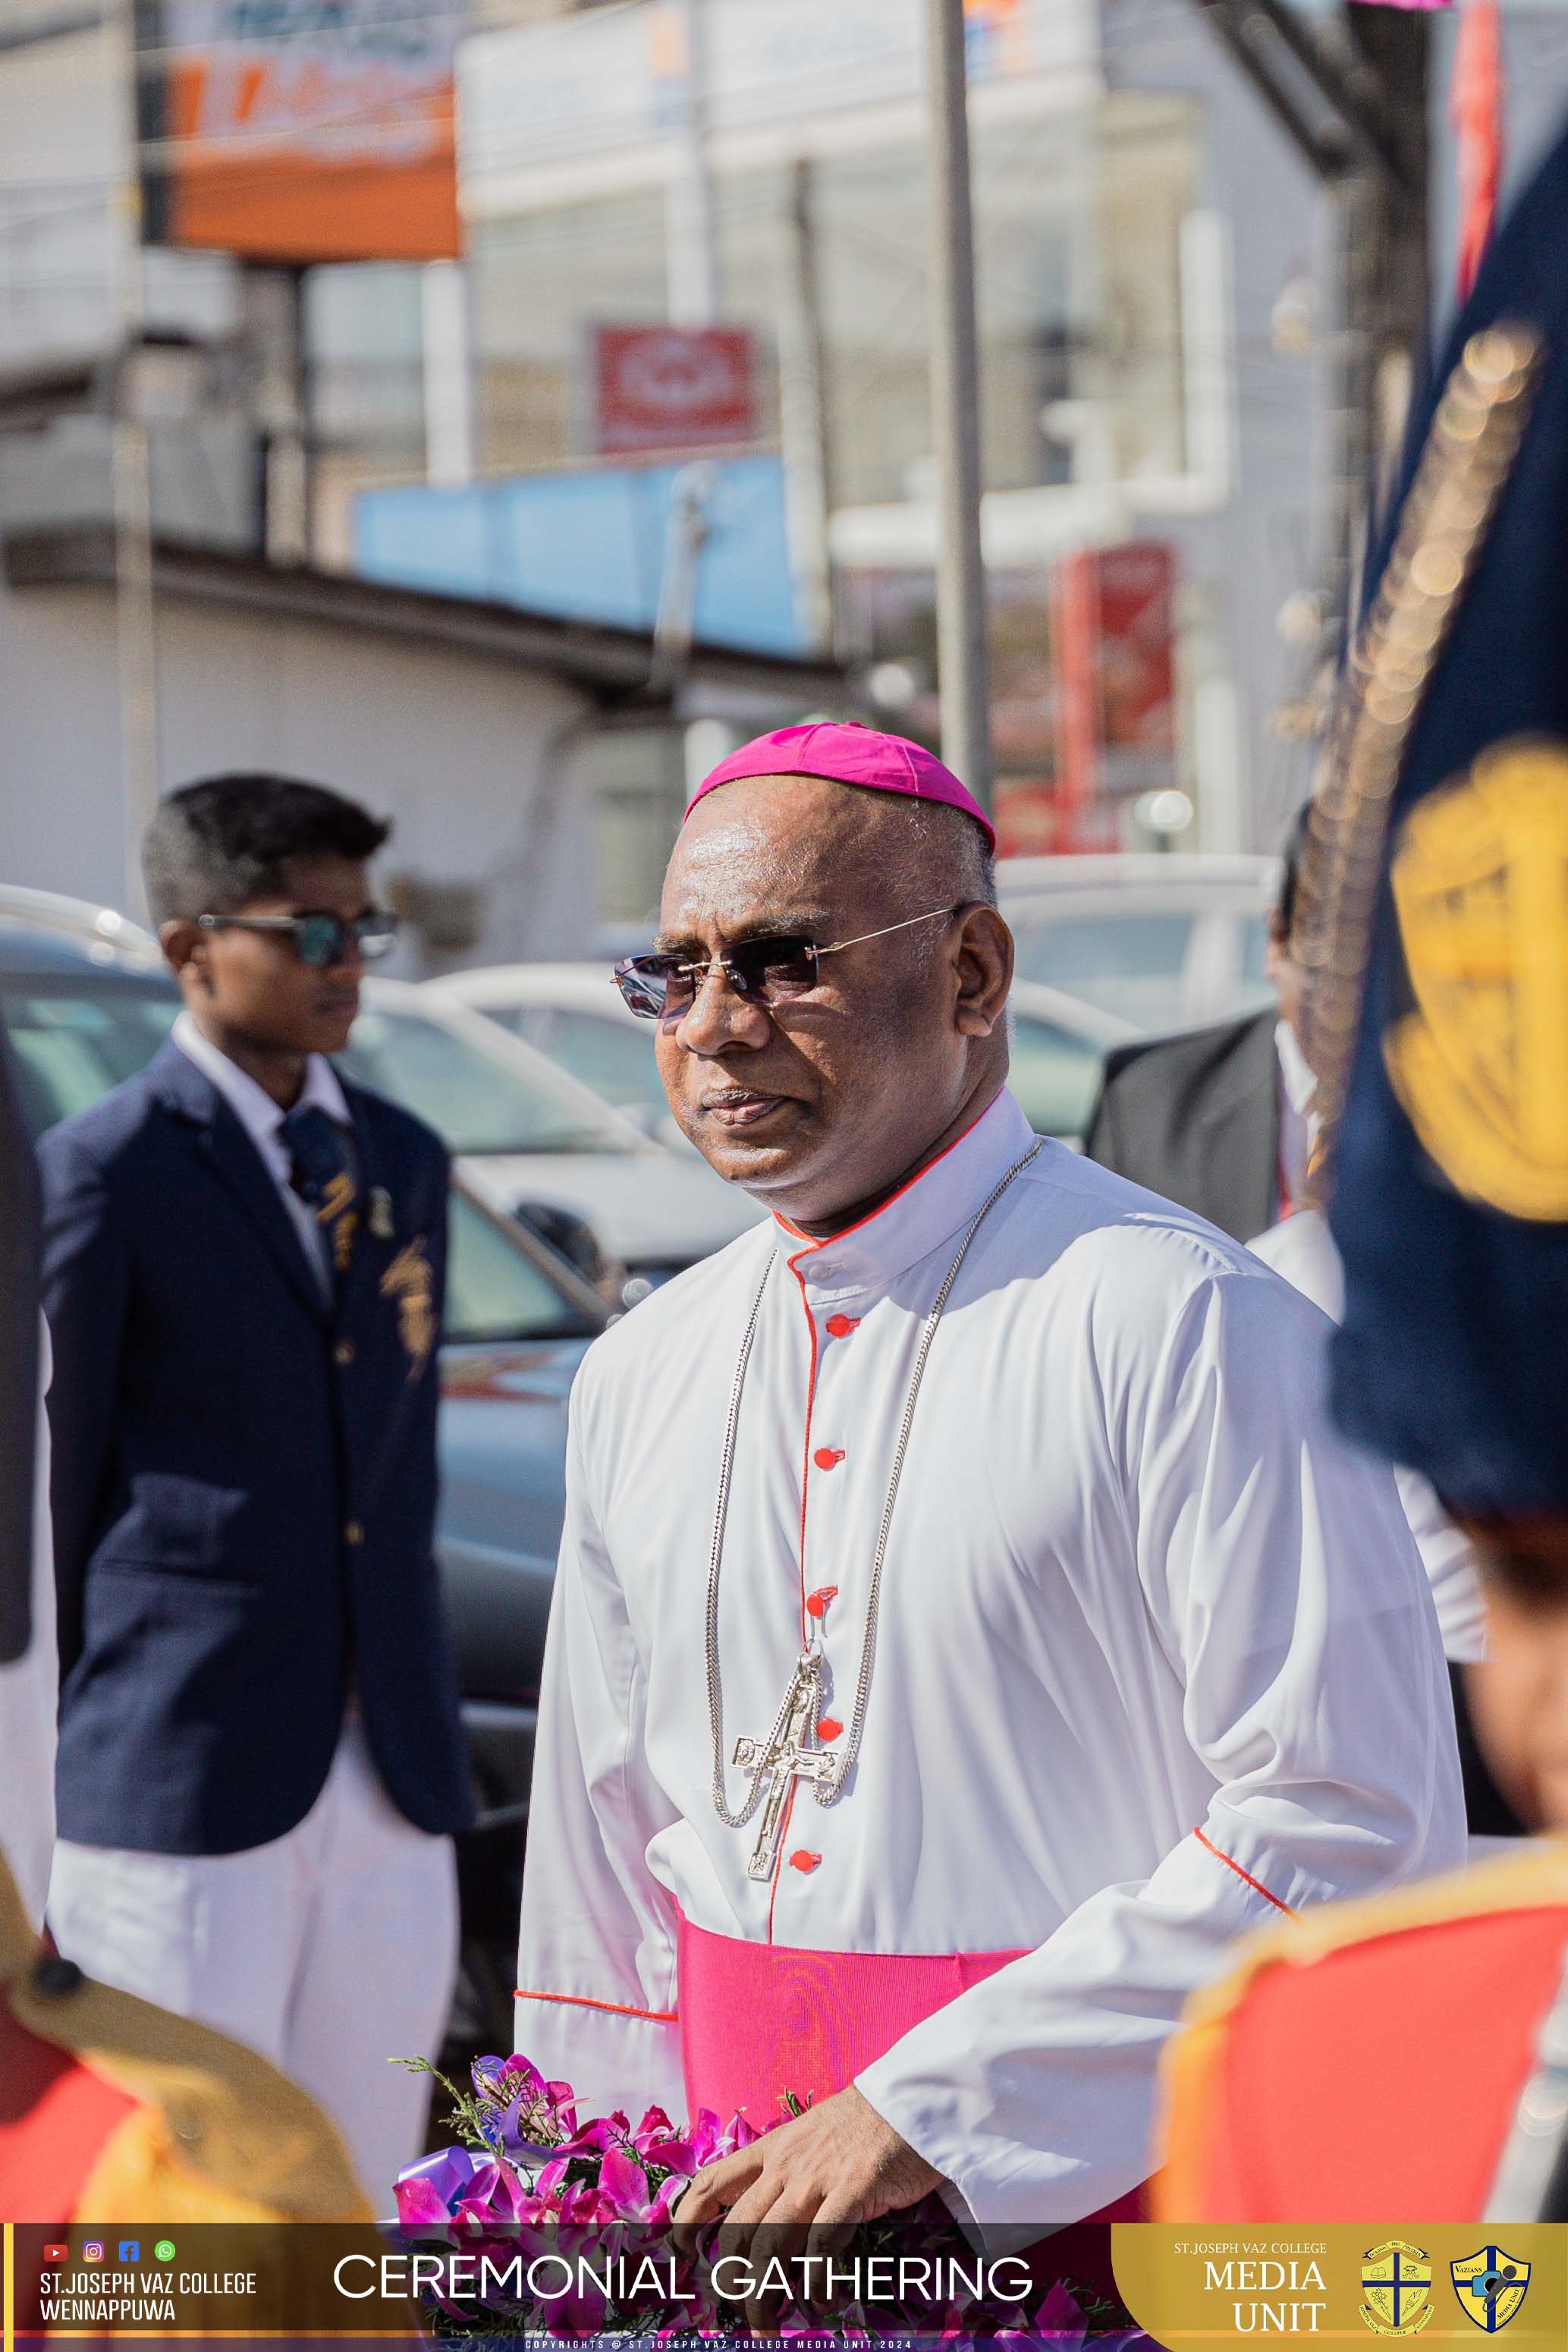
(787, 1756)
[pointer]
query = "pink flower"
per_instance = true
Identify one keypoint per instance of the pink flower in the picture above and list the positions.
(419, 2207)
(623, 2182)
(427, 2192)
(594, 2139)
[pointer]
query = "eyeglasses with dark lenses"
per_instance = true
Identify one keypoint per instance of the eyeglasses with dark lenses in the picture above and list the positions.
(319, 941)
(762, 971)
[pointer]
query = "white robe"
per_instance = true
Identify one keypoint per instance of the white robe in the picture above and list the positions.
(1302, 1249)
(1156, 1655)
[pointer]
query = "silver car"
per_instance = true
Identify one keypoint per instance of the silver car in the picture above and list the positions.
(1163, 942)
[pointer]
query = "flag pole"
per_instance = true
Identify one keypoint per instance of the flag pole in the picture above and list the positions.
(963, 664)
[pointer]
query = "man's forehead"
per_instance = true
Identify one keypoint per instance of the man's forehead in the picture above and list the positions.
(770, 839)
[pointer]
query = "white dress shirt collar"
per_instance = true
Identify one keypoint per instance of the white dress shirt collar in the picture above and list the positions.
(252, 1105)
(930, 1209)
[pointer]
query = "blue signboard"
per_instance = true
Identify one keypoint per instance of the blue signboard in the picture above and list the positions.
(594, 546)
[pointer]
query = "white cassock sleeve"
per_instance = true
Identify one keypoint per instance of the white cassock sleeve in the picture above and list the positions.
(1282, 1583)
(596, 1982)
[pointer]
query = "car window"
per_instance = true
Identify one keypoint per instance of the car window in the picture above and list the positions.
(1054, 1074)
(495, 1290)
(71, 1045)
(1128, 964)
(475, 1102)
(1255, 980)
(604, 1054)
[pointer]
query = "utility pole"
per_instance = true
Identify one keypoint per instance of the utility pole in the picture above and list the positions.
(272, 298)
(135, 619)
(962, 653)
(691, 232)
(803, 414)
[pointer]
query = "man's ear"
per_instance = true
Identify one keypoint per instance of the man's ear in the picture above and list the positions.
(183, 945)
(985, 965)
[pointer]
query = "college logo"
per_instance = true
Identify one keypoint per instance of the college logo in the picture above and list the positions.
(410, 1281)
(1396, 2288)
(1480, 1064)
(1490, 2287)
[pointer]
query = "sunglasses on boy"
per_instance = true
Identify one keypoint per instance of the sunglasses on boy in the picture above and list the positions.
(762, 971)
(319, 941)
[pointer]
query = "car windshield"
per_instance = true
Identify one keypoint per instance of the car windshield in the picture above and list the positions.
(496, 1290)
(476, 1102)
(72, 1041)
(616, 1061)
(1130, 965)
(1054, 1074)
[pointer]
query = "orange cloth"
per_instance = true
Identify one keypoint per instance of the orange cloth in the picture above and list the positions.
(1369, 2058)
(56, 2117)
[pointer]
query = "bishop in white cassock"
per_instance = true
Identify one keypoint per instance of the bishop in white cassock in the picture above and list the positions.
(1151, 1659)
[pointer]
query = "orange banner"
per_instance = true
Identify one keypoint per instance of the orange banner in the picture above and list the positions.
(290, 130)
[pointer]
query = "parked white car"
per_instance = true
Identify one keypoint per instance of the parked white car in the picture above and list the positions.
(576, 1014)
(529, 1137)
(1059, 1046)
(1165, 942)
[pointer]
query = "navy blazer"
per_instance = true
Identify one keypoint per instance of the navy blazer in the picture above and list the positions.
(244, 1476)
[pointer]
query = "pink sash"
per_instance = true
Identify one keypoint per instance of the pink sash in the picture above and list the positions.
(759, 2020)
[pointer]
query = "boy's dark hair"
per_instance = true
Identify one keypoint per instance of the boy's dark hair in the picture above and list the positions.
(219, 844)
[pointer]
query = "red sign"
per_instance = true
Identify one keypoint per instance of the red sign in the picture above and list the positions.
(672, 388)
(1113, 659)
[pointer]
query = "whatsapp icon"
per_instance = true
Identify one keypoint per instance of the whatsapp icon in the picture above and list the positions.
(164, 2250)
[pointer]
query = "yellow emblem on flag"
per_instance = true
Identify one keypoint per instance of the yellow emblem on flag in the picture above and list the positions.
(1491, 2285)
(1396, 2288)
(1480, 1067)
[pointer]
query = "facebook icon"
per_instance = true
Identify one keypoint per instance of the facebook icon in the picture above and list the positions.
(130, 2249)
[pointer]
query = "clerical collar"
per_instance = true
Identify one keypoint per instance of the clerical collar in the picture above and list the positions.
(923, 1215)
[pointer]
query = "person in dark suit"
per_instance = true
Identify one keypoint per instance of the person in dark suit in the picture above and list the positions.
(261, 1755)
(1216, 1119)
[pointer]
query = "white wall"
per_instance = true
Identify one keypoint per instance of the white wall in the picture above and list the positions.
(451, 746)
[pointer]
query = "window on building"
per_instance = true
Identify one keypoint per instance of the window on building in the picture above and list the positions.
(639, 781)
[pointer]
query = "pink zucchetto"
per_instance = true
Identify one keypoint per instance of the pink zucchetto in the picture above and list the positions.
(848, 754)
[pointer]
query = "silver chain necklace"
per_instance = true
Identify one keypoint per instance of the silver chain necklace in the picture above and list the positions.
(790, 1753)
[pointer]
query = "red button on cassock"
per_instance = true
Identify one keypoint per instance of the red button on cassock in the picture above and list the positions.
(827, 1456)
(802, 1859)
(839, 1327)
(817, 1602)
(829, 1727)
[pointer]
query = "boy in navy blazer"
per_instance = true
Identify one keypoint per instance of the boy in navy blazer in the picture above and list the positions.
(261, 1757)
